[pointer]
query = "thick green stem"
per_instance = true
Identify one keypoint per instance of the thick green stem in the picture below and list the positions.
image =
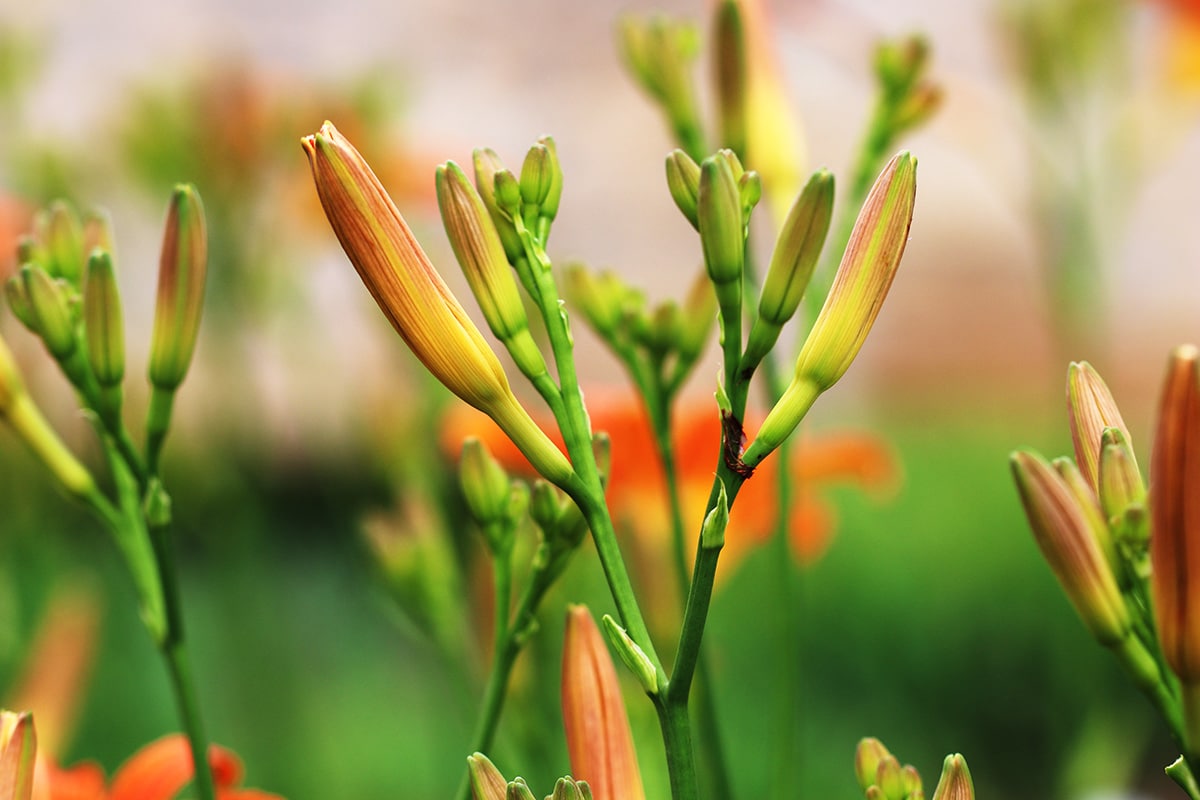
(677, 737)
(493, 702)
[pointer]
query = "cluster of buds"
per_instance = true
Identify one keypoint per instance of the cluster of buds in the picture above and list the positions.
(881, 776)
(495, 502)
(488, 783)
(1119, 550)
(908, 96)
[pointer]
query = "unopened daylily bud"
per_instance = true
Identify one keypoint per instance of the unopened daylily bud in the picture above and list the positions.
(103, 325)
(519, 790)
(603, 299)
(796, 253)
(599, 742)
(1090, 409)
(480, 253)
(508, 193)
(549, 204)
(485, 485)
(1089, 506)
(30, 250)
(898, 63)
(683, 182)
(18, 301)
(1121, 485)
(955, 782)
(487, 164)
(64, 243)
(634, 657)
(730, 76)
(569, 789)
(97, 232)
(750, 192)
(722, 231)
(889, 776)
(182, 270)
(537, 175)
(712, 530)
(486, 781)
(911, 782)
(414, 298)
(659, 53)
(18, 755)
(1175, 518)
(51, 310)
(867, 757)
(1067, 537)
(864, 275)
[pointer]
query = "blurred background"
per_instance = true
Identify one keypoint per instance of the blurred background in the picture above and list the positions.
(1056, 220)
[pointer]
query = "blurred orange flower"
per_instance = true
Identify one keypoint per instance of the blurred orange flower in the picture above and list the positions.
(1183, 44)
(637, 488)
(158, 771)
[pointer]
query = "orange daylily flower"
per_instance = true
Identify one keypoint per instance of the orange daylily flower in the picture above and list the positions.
(1183, 44)
(637, 489)
(159, 771)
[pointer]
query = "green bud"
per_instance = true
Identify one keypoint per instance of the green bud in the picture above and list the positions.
(549, 204)
(604, 300)
(181, 275)
(518, 790)
(1089, 507)
(1120, 481)
(796, 253)
(634, 657)
(919, 105)
(508, 194)
(683, 182)
(659, 54)
(722, 232)
(867, 756)
(712, 531)
(890, 777)
(750, 192)
(30, 250)
(480, 253)
(97, 232)
(487, 164)
(955, 782)
(103, 325)
(899, 63)
(545, 505)
(18, 301)
(731, 80)
(537, 175)
(569, 789)
(485, 484)
(911, 782)
(64, 242)
(51, 310)
(486, 781)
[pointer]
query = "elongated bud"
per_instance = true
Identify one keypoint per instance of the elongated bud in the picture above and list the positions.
(64, 243)
(486, 781)
(1067, 537)
(18, 754)
(863, 277)
(19, 302)
(549, 204)
(1090, 409)
(722, 232)
(1175, 517)
(634, 657)
(1121, 484)
(955, 782)
(683, 182)
(51, 310)
(487, 164)
(867, 756)
(519, 790)
(889, 776)
(508, 193)
(730, 75)
(182, 271)
(1089, 506)
(712, 531)
(414, 298)
(570, 789)
(104, 327)
(658, 53)
(598, 738)
(485, 485)
(480, 253)
(796, 253)
(537, 175)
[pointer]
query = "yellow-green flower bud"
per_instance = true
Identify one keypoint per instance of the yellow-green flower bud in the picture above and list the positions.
(508, 193)
(570, 789)
(750, 192)
(889, 777)
(486, 781)
(633, 656)
(722, 230)
(104, 328)
(1090, 409)
(18, 755)
(1068, 538)
(485, 485)
(683, 182)
(18, 301)
(605, 301)
(519, 790)
(899, 63)
(730, 75)
(712, 531)
(537, 175)
(550, 203)
(955, 782)
(182, 269)
(867, 756)
(1121, 485)
(414, 298)
(51, 310)
(480, 253)
(64, 243)
(30, 250)
(486, 164)
(796, 253)
(658, 53)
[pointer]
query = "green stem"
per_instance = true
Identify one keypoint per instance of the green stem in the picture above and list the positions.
(677, 737)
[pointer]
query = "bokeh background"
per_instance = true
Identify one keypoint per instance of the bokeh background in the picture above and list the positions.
(1067, 144)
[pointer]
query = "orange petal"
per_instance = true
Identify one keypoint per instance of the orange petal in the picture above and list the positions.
(162, 768)
(84, 781)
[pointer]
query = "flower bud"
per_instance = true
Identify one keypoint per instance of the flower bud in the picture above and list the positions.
(867, 756)
(18, 301)
(508, 194)
(1175, 517)
(598, 738)
(480, 253)
(864, 276)
(549, 203)
(730, 75)
(1090, 409)
(1089, 507)
(51, 310)
(414, 298)
(1068, 539)
(485, 484)
(712, 531)
(722, 231)
(487, 164)
(537, 175)
(659, 53)
(18, 755)
(486, 781)
(182, 270)
(955, 782)
(570, 789)
(1121, 486)
(519, 790)
(683, 182)
(634, 657)
(64, 243)
(97, 232)
(103, 325)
